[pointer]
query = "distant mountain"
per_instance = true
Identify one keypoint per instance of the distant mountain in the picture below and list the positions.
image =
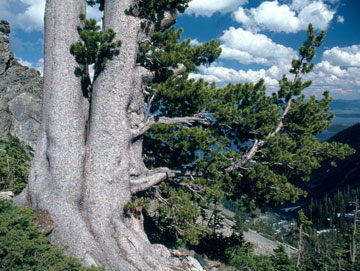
(345, 105)
(347, 113)
(329, 179)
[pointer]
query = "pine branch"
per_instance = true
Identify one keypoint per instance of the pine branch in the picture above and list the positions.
(153, 177)
(165, 120)
(259, 143)
(149, 179)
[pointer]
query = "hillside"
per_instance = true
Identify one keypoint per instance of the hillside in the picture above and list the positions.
(329, 179)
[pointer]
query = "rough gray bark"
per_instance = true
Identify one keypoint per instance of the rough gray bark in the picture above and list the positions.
(83, 179)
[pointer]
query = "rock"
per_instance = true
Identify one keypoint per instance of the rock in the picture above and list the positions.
(6, 195)
(4, 27)
(5, 55)
(192, 264)
(161, 250)
(20, 94)
(89, 261)
(44, 222)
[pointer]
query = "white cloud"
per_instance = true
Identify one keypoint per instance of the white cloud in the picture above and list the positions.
(95, 13)
(195, 42)
(223, 75)
(25, 14)
(340, 19)
(24, 62)
(39, 65)
(270, 15)
(346, 56)
(298, 5)
(316, 13)
(342, 83)
(209, 7)
(28, 15)
(325, 68)
(247, 48)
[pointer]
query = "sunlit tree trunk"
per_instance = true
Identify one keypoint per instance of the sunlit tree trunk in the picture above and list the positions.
(83, 175)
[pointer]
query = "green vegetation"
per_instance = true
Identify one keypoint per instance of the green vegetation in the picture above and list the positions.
(242, 144)
(149, 8)
(14, 164)
(96, 47)
(23, 247)
(235, 143)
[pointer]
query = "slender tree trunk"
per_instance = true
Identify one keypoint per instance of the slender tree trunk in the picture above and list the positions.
(353, 247)
(299, 246)
(83, 179)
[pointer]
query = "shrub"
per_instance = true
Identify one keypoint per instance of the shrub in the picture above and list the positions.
(14, 164)
(23, 247)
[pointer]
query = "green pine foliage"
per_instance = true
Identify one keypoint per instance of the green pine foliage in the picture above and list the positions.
(249, 146)
(96, 47)
(330, 211)
(14, 164)
(242, 258)
(94, 2)
(238, 117)
(149, 8)
(281, 261)
(23, 247)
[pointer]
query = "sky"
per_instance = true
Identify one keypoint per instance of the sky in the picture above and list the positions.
(258, 39)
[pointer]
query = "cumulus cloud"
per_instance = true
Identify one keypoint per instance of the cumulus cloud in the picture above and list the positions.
(209, 7)
(342, 83)
(246, 47)
(39, 65)
(270, 15)
(298, 5)
(346, 56)
(195, 42)
(340, 19)
(223, 75)
(25, 14)
(28, 15)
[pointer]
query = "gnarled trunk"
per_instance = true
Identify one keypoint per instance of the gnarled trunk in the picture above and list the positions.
(83, 178)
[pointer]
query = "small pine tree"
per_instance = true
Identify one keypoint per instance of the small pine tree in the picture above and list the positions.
(281, 261)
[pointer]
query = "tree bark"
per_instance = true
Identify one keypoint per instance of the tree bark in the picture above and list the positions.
(299, 246)
(85, 178)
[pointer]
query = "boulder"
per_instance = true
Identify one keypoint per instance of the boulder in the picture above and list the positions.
(6, 195)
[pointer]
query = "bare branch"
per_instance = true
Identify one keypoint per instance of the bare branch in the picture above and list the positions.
(166, 19)
(149, 179)
(246, 157)
(149, 107)
(179, 69)
(258, 144)
(165, 120)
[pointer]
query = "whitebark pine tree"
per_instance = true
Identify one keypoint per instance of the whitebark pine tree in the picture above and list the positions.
(88, 162)
(83, 178)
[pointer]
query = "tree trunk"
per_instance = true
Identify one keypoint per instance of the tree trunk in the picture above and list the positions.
(354, 246)
(299, 246)
(83, 179)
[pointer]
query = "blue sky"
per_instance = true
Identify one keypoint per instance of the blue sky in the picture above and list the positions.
(258, 39)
